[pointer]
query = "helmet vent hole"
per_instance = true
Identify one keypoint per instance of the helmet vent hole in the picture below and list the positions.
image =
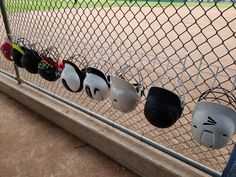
(195, 126)
(224, 135)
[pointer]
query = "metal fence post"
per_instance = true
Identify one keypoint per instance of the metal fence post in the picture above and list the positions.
(8, 30)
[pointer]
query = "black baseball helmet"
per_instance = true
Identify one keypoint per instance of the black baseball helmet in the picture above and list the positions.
(163, 107)
(30, 61)
(17, 53)
(48, 70)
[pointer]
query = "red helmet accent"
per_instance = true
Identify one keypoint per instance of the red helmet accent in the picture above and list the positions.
(59, 65)
(6, 48)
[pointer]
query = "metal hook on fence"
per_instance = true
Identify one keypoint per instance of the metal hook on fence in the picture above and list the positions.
(76, 56)
(184, 66)
(179, 81)
(141, 61)
(100, 51)
(124, 71)
(105, 62)
(231, 98)
(23, 42)
(113, 51)
(49, 50)
(215, 78)
(162, 77)
(120, 50)
(154, 66)
(199, 69)
(130, 58)
(59, 39)
(21, 39)
(84, 51)
(234, 85)
(165, 74)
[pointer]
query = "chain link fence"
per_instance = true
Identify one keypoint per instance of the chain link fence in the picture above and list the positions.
(5, 66)
(194, 41)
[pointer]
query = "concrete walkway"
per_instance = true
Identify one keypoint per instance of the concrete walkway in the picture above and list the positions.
(31, 146)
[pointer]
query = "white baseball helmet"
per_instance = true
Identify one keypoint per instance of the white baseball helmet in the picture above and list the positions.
(72, 77)
(95, 84)
(123, 95)
(213, 124)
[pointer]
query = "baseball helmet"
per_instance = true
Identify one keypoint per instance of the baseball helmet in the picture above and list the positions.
(72, 77)
(6, 48)
(95, 84)
(123, 95)
(18, 50)
(30, 60)
(59, 65)
(50, 68)
(163, 107)
(214, 123)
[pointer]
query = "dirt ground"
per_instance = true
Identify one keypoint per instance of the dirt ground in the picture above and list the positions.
(34, 147)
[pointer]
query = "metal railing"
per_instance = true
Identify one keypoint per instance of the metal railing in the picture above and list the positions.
(194, 41)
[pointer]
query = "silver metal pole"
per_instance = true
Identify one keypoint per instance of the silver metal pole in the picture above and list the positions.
(8, 30)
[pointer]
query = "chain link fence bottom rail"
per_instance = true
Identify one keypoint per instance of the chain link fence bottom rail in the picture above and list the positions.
(194, 41)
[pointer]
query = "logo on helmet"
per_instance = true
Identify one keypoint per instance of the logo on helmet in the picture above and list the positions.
(95, 84)
(210, 121)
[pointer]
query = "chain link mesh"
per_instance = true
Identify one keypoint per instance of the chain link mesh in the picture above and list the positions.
(4, 64)
(194, 41)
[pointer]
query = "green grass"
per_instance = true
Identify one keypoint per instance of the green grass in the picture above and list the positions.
(31, 5)
(189, 4)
